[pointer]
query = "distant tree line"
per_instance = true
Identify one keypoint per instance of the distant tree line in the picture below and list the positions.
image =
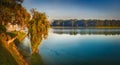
(86, 23)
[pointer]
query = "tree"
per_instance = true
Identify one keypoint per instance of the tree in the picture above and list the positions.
(38, 28)
(11, 11)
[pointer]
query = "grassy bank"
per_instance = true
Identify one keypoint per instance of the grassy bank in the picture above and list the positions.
(10, 51)
(5, 57)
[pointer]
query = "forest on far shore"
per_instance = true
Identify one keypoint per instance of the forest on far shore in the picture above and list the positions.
(86, 23)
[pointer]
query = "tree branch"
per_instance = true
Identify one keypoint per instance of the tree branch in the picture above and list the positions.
(11, 40)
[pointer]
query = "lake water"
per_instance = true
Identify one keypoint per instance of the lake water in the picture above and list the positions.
(79, 47)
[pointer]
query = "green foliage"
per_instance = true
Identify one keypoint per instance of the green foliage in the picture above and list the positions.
(38, 28)
(87, 23)
(6, 57)
(2, 28)
(11, 11)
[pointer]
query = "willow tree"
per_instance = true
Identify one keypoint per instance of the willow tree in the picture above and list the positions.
(38, 29)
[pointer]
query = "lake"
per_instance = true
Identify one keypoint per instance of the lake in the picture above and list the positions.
(78, 47)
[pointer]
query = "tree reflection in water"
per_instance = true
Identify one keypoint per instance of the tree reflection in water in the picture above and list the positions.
(90, 31)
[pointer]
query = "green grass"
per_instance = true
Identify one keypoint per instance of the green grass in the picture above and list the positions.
(14, 33)
(5, 57)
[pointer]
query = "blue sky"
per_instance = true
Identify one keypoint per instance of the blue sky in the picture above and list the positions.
(76, 9)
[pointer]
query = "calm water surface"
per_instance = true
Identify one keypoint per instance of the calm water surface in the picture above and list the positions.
(79, 46)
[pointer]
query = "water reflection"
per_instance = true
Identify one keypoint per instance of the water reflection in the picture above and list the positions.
(66, 49)
(31, 46)
(95, 49)
(26, 53)
(84, 31)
